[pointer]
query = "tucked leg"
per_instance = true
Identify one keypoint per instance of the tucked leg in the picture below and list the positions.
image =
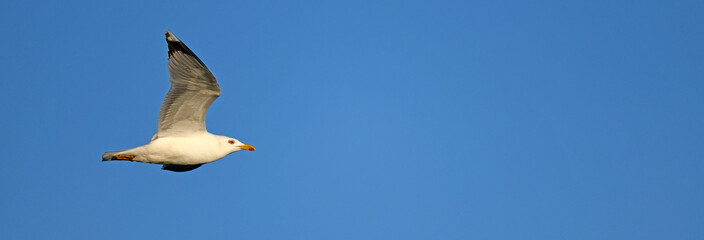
(124, 157)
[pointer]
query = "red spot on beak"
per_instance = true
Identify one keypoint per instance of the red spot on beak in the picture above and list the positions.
(248, 147)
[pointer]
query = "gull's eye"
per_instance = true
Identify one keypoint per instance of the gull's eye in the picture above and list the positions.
(231, 141)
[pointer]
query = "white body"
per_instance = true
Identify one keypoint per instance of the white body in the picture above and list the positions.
(202, 148)
(198, 148)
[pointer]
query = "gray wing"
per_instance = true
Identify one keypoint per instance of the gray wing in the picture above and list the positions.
(193, 90)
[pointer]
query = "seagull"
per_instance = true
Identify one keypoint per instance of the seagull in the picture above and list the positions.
(182, 143)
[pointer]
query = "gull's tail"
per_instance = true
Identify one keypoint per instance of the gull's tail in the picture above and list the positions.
(119, 155)
(107, 156)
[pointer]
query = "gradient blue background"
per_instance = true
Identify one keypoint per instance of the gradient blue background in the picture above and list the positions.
(372, 120)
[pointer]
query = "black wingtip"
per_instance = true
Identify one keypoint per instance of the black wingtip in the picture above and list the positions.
(175, 45)
(180, 168)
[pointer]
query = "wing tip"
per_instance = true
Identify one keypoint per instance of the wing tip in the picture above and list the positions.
(171, 37)
(175, 45)
(180, 168)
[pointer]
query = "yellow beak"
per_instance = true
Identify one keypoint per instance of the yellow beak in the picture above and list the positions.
(248, 147)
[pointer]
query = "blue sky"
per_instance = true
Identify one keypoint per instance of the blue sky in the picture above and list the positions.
(372, 120)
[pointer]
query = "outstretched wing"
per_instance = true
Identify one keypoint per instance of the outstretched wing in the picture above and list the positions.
(193, 90)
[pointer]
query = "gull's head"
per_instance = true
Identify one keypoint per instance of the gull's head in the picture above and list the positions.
(235, 145)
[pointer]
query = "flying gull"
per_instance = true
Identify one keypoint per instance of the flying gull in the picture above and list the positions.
(182, 143)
